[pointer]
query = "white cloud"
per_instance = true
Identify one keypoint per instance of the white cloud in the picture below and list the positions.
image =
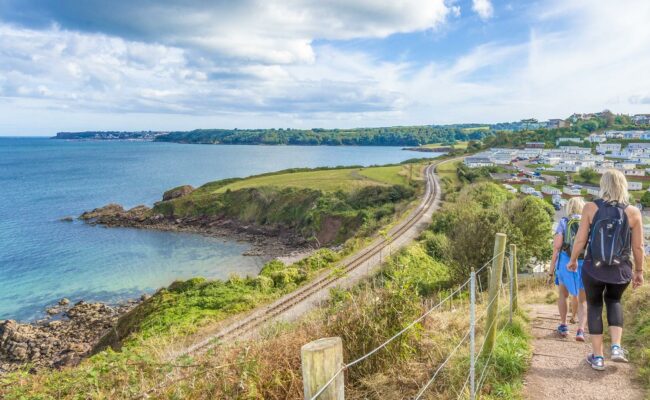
(270, 31)
(483, 8)
(577, 58)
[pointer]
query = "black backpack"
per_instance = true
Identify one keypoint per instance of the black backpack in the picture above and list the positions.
(609, 242)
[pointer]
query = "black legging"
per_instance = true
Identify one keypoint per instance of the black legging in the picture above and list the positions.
(612, 293)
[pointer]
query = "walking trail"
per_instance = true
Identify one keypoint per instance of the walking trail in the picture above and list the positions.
(559, 371)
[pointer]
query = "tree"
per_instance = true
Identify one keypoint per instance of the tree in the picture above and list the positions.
(645, 199)
(533, 218)
(479, 212)
(562, 180)
(588, 175)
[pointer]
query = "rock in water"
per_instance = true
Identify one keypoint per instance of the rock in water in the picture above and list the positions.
(108, 210)
(57, 343)
(64, 302)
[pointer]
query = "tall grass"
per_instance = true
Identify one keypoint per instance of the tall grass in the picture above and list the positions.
(269, 368)
(637, 330)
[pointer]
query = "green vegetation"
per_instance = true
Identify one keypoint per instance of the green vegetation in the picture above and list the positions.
(270, 368)
(637, 333)
(456, 145)
(587, 176)
(448, 176)
(481, 210)
(329, 180)
(307, 202)
(471, 175)
(645, 199)
(331, 205)
(580, 130)
(388, 136)
(185, 307)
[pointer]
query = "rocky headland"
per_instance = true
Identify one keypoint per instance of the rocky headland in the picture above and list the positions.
(218, 216)
(266, 242)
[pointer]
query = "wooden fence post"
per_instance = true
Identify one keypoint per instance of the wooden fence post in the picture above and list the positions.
(515, 283)
(493, 297)
(321, 360)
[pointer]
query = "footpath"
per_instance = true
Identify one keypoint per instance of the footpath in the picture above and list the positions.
(558, 369)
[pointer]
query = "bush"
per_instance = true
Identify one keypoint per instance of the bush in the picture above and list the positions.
(436, 245)
(482, 210)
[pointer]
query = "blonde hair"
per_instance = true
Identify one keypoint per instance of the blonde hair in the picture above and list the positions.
(613, 187)
(574, 206)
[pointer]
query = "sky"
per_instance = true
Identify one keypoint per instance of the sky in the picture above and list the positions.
(73, 65)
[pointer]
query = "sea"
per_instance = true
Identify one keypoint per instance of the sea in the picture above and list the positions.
(43, 259)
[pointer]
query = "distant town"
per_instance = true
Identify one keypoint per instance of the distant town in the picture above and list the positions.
(571, 166)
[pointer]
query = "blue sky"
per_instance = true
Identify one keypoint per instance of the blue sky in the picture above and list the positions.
(168, 65)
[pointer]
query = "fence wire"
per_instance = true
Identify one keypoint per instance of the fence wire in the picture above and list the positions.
(419, 319)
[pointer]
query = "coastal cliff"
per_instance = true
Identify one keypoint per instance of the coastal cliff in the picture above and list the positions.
(277, 217)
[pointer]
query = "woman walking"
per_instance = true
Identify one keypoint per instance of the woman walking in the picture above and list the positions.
(612, 231)
(569, 283)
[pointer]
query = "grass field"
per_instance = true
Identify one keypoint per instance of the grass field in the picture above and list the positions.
(457, 145)
(330, 180)
(478, 128)
(447, 173)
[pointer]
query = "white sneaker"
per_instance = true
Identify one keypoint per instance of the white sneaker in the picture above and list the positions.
(619, 354)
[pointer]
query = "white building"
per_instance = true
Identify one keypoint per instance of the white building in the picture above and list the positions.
(476, 162)
(550, 190)
(624, 165)
(592, 157)
(614, 134)
(527, 189)
(638, 146)
(586, 163)
(630, 135)
(596, 138)
(566, 167)
(621, 154)
(592, 190)
(550, 160)
(641, 119)
(576, 149)
(530, 153)
(633, 172)
(635, 185)
(571, 191)
(608, 148)
(568, 140)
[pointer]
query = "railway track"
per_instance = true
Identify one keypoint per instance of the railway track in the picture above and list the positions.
(266, 314)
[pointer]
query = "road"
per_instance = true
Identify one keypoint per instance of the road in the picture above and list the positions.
(357, 266)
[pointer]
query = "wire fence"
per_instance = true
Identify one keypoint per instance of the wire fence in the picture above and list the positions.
(491, 313)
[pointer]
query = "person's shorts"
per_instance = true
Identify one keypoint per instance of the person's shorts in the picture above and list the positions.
(571, 280)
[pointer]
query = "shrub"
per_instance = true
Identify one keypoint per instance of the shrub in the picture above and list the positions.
(436, 245)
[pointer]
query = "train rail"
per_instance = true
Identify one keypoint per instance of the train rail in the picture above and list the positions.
(261, 316)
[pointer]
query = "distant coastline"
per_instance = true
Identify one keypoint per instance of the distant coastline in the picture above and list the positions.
(399, 136)
(143, 136)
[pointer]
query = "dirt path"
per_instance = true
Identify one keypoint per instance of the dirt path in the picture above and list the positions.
(559, 371)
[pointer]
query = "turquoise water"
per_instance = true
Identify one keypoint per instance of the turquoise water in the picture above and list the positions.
(43, 259)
